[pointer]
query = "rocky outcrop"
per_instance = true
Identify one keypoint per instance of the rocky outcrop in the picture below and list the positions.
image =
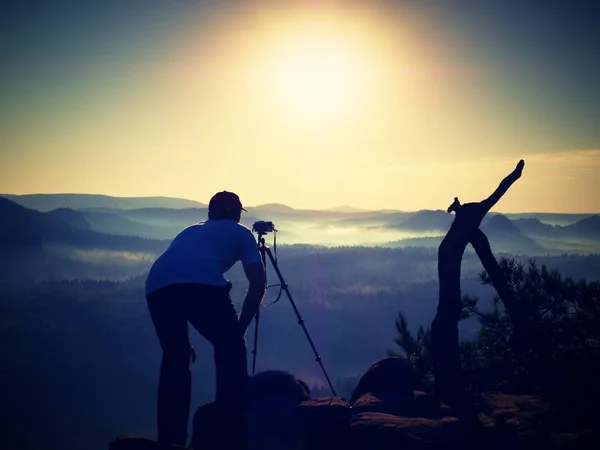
(387, 431)
(389, 409)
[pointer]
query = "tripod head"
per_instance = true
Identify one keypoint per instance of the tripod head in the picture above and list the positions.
(261, 227)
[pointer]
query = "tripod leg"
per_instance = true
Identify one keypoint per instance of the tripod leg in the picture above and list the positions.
(255, 349)
(284, 286)
(261, 249)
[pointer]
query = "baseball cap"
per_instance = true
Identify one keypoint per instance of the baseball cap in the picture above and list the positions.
(225, 202)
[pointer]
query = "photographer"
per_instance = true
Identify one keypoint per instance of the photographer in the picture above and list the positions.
(186, 284)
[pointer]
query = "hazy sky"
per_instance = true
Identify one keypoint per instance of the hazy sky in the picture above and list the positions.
(376, 104)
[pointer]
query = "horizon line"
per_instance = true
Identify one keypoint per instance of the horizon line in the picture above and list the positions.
(326, 209)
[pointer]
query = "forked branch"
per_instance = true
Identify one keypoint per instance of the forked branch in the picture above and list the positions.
(444, 329)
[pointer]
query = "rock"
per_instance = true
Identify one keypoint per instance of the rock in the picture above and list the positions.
(404, 404)
(389, 410)
(270, 417)
(207, 427)
(271, 414)
(518, 421)
(133, 443)
(504, 409)
(386, 376)
(386, 431)
(280, 384)
(324, 422)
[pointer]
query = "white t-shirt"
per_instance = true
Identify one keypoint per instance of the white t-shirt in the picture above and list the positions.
(202, 253)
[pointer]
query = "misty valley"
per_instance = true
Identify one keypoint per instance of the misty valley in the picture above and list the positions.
(80, 357)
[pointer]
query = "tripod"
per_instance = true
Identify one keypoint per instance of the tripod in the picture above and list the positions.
(266, 251)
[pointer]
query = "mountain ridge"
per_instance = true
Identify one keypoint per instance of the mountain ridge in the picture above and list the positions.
(22, 227)
(140, 202)
(315, 226)
(502, 233)
(49, 202)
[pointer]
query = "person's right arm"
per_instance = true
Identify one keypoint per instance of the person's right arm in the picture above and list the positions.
(255, 272)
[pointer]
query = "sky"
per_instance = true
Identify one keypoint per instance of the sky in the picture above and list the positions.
(314, 104)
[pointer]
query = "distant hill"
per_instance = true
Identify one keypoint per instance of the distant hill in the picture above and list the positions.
(159, 215)
(70, 216)
(588, 228)
(156, 223)
(504, 236)
(22, 227)
(272, 207)
(375, 218)
(115, 223)
(535, 228)
(560, 219)
(577, 235)
(48, 202)
(161, 223)
(347, 208)
(427, 220)
(428, 242)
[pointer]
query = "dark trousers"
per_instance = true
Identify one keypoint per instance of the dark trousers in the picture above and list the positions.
(210, 310)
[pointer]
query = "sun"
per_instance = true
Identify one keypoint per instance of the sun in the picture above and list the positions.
(311, 66)
(315, 64)
(317, 75)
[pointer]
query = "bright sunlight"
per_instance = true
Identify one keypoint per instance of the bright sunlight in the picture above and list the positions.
(317, 74)
(313, 64)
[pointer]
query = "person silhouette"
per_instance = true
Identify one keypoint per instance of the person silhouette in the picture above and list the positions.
(185, 284)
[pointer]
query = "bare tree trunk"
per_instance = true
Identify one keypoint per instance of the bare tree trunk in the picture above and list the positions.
(449, 383)
(519, 314)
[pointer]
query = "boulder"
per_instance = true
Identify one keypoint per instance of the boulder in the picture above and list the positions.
(324, 422)
(386, 376)
(207, 427)
(386, 431)
(270, 417)
(390, 409)
(279, 384)
(271, 414)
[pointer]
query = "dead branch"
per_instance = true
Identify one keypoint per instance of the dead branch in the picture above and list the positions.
(449, 383)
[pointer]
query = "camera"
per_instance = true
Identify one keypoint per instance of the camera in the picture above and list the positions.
(263, 227)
